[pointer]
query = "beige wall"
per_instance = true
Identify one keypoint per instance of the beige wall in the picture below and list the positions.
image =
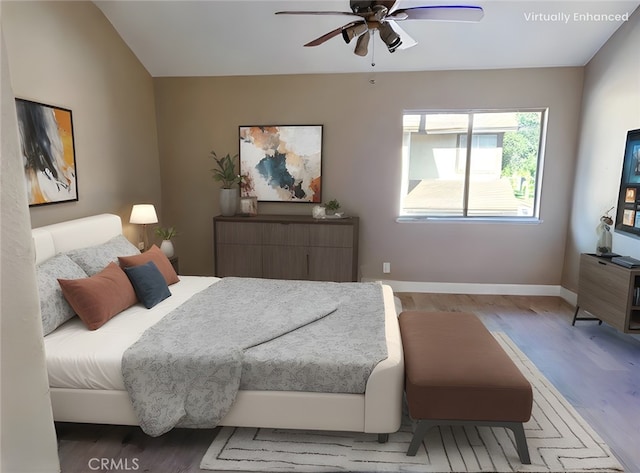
(610, 107)
(68, 54)
(361, 164)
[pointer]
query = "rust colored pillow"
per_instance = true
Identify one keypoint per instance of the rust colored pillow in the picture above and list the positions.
(98, 298)
(156, 255)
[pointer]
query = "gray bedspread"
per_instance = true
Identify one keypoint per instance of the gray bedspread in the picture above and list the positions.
(186, 370)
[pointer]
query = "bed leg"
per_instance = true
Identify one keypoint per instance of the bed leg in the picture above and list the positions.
(383, 438)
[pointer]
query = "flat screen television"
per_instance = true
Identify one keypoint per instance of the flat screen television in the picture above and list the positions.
(628, 214)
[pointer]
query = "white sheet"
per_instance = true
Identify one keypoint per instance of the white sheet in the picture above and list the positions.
(83, 359)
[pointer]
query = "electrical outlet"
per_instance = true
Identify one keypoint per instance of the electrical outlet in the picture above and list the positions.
(386, 267)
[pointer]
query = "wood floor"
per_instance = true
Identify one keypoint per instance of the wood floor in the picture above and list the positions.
(595, 367)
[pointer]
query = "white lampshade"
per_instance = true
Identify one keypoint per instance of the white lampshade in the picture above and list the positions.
(143, 214)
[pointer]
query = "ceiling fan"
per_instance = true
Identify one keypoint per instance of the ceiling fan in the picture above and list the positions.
(383, 15)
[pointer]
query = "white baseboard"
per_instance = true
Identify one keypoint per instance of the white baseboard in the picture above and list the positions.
(476, 288)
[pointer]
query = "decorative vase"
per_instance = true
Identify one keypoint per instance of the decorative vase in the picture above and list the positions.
(167, 248)
(228, 202)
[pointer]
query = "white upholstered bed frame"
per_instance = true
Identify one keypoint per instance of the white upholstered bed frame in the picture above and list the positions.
(378, 410)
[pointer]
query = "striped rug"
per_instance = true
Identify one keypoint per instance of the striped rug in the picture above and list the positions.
(559, 441)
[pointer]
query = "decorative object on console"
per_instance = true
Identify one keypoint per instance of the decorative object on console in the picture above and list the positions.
(225, 173)
(248, 206)
(167, 245)
(628, 210)
(604, 233)
(282, 163)
(46, 139)
(332, 206)
(143, 214)
(318, 211)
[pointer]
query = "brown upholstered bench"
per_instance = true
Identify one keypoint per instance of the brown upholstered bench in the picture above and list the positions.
(456, 373)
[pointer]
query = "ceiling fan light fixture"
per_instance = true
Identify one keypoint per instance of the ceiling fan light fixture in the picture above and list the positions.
(362, 46)
(389, 36)
(352, 31)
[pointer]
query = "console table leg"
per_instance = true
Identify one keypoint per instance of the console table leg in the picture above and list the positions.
(575, 317)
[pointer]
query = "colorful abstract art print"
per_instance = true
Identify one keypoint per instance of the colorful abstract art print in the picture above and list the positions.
(46, 140)
(282, 163)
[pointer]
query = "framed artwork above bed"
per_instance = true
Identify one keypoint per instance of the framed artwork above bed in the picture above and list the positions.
(48, 150)
(283, 163)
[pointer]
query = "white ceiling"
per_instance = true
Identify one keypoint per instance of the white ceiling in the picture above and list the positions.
(244, 37)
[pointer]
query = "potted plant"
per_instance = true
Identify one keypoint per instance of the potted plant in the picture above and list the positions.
(167, 245)
(226, 174)
(332, 207)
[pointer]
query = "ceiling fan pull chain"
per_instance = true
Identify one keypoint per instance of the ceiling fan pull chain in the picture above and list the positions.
(372, 80)
(373, 48)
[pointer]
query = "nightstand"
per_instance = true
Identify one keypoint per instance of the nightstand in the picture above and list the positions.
(174, 262)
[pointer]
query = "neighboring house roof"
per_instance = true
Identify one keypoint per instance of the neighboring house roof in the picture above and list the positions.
(438, 123)
(440, 196)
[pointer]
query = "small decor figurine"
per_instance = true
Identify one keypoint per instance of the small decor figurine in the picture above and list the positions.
(318, 211)
(604, 234)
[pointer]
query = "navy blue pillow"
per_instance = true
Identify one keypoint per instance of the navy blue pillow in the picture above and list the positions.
(149, 283)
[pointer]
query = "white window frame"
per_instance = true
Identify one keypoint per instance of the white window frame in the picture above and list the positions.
(404, 185)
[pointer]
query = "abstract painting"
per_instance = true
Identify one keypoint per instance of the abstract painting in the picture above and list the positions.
(48, 152)
(282, 163)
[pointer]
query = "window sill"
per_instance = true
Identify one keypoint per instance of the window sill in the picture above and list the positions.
(500, 220)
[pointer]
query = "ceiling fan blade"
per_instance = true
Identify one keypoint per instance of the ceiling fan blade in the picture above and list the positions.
(318, 13)
(442, 13)
(330, 34)
(389, 4)
(407, 41)
(362, 45)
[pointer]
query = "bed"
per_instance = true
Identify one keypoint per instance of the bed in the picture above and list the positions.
(84, 366)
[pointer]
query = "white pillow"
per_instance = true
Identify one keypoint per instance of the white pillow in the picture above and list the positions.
(54, 308)
(94, 259)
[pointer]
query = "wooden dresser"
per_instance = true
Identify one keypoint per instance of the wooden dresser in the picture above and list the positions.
(286, 247)
(609, 292)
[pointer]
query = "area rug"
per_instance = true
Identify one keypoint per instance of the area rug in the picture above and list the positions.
(559, 441)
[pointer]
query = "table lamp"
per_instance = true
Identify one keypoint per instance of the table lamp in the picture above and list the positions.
(143, 214)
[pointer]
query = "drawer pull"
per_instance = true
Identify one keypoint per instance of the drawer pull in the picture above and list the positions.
(602, 263)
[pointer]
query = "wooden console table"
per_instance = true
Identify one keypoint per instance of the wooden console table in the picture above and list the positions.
(609, 292)
(286, 247)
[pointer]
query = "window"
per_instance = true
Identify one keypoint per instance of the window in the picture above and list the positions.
(471, 164)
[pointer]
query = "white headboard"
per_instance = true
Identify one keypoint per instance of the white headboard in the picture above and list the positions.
(57, 238)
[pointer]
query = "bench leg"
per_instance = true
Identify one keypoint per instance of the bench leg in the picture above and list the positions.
(421, 430)
(516, 427)
(383, 438)
(521, 442)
